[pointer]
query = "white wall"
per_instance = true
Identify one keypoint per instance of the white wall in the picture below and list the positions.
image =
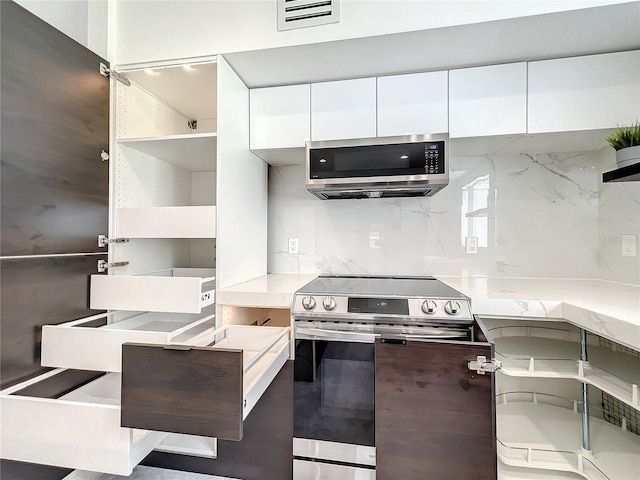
(534, 216)
(83, 20)
(164, 29)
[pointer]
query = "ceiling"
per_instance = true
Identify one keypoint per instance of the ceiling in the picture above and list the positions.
(570, 33)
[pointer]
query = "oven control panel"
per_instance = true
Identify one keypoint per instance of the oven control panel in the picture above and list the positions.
(430, 309)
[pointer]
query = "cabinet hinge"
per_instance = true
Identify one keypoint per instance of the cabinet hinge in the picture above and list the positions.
(103, 240)
(481, 365)
(107, 72)
(103, 265)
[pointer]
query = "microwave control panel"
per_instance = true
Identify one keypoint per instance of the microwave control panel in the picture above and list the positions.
(434, 157)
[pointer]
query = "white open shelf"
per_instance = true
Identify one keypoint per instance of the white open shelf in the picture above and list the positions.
(166, 222)
(264, 351)
(175, 290)
(79, 430)
(75, 345)
(552, 350)
(549, 436)
(195, 152)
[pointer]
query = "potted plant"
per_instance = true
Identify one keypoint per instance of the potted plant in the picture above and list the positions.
(626, 141)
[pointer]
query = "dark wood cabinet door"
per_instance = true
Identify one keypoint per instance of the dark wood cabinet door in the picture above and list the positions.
(55, 122)
(36, 292)
(434, 417)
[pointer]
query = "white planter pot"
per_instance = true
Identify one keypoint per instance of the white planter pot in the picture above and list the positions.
(628, 156)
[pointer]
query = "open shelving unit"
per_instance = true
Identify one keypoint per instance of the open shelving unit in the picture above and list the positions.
(537, 429)
(552, 350)
(544, 433)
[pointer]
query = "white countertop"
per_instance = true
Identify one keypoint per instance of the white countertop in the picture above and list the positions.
(608, 308)
(269, 291)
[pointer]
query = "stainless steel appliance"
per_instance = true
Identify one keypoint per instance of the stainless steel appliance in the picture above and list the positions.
(336, 322)
(407, 166)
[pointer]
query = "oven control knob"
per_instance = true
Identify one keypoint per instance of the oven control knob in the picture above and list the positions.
(329, 303)
(429, 307)
(452, 308)
(309, 303)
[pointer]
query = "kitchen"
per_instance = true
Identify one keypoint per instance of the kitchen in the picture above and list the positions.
(491, 185)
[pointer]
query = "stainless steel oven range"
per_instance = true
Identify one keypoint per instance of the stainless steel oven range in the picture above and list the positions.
(337, 320)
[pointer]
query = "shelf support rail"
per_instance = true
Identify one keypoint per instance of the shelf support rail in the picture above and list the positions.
(586, 437)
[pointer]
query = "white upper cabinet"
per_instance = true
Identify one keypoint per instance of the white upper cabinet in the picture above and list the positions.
(488, 100)
(584, 93)
(343, 109)
(413, 104)
(280, 116)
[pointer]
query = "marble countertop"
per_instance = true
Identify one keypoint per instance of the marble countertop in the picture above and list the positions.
(269, 291)
(608, 308)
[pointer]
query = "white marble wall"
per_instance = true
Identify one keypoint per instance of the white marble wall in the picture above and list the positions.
(534, 215)
(618, 214)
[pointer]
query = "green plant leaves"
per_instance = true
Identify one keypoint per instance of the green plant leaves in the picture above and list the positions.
(625, 137)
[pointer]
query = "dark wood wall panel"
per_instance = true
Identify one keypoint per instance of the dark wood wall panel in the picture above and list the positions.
(434, 418)
(55, 122)
(266, 449)
(36, 292)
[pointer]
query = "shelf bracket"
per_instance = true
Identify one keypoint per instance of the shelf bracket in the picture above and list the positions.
(104, 241)
(103, 265)
(481, 366)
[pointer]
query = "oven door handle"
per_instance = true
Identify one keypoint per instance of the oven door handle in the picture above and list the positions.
(304, 333)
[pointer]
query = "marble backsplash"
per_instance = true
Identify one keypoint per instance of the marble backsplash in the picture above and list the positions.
(619, 214)
(534, 216)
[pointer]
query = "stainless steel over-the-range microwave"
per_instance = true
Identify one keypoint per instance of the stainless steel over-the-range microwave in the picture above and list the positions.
(407, 166)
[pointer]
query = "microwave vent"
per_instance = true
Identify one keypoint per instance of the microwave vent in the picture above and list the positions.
(306, 13)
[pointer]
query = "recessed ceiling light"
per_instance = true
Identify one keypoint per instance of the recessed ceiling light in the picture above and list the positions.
(404, 157)
(150, 71)
(188, 67)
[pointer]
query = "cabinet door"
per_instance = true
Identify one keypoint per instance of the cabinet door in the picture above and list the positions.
(434, 417)
(413, 104)
(583, 93)
(344, 109)
(55, 123)
(488, 100)
(280, 116)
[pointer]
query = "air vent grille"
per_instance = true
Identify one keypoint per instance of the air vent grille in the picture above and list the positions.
(306, 13)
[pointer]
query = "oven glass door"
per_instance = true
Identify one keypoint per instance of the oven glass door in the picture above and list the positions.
(334, 391)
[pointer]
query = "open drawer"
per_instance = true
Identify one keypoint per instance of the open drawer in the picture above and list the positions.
(77, 429)
(77, 345)
(175, 290)
(206, 391)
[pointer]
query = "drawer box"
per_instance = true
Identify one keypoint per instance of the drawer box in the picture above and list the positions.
(76, 345)
(80, 429)
(175, 290)
(166, 222)
(206, 391)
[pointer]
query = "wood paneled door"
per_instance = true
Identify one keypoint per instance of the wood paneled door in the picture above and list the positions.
(55, 123)
(434, 417)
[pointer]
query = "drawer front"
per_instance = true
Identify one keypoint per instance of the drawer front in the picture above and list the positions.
(70, 433)
(304, 470)
(197, 391)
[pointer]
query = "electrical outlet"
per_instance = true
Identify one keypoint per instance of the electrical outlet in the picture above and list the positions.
(471, 245)
(293, 246)
(628, 245)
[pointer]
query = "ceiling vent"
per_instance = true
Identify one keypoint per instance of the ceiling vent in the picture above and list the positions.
(306, 13)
